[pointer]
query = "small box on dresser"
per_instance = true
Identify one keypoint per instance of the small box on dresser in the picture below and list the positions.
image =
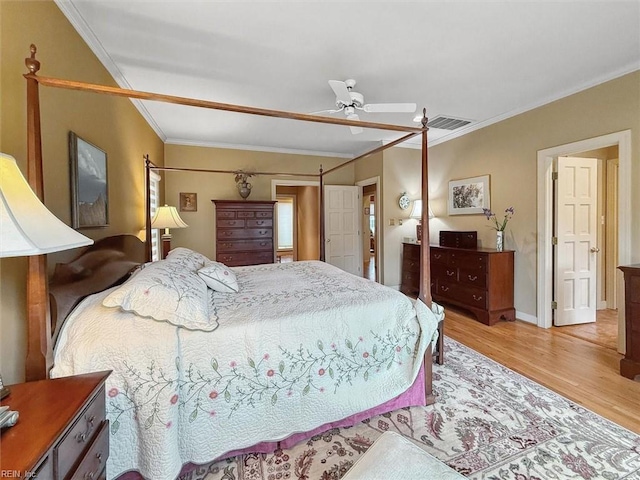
(244, 232)
(630, 364)
(62, 432)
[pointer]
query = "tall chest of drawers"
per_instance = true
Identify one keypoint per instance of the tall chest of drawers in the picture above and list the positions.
(630, 364)
(479, 280)
(244, 232)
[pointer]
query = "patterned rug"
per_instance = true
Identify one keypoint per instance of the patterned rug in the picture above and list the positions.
(488, 423)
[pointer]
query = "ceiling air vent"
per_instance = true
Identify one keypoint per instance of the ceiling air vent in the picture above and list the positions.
(447, 123)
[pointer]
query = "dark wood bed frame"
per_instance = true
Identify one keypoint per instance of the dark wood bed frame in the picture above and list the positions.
(110, 260)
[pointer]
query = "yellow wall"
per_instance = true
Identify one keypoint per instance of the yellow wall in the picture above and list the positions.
(112, 124)
(507, 151)
(221, 186)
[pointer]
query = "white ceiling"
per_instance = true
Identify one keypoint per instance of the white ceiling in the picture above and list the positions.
(479, 60)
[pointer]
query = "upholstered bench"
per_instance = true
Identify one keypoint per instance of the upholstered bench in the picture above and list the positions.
(393, 457)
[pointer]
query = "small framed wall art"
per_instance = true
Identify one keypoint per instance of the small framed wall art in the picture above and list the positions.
(188, 202)
(469, 195)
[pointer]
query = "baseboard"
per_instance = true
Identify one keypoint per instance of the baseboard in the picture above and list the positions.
(525, 317)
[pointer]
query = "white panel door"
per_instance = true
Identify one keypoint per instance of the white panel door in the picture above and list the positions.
(343, 245)
(576, 250)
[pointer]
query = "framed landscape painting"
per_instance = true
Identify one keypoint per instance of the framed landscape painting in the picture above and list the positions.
(469, 195)
(89, 187)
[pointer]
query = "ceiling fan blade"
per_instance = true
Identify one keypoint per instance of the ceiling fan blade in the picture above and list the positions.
(340, 89)
(390, 108)
(355, 130)
(326, 111)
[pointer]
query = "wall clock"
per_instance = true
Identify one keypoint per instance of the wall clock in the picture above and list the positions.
(404, 201)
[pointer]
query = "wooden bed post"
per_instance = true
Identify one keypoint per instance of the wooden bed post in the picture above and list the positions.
(39, 350)
(425, 269)
(147, 228)
(322, 233)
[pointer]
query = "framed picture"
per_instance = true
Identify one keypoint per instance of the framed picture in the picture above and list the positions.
(188, 202)
(89, 188)
(469, 195)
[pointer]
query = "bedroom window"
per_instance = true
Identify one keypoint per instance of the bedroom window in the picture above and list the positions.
(154, 189)
(285, 222)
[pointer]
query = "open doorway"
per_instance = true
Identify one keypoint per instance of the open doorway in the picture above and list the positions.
(297, 222)
(546, 212)
(369, 224)
(586, 255)
(371, 228)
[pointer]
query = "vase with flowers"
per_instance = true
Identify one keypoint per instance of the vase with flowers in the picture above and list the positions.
(499, 226)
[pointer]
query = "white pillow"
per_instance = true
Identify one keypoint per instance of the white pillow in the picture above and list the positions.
(219, 277)
(189, 258)
(166, 291)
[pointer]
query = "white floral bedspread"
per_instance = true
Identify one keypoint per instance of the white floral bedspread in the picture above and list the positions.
(300, 345)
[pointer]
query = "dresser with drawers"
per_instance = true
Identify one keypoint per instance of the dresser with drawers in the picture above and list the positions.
(630, 364)
(479, 280)
(244, 232)
(61, 433)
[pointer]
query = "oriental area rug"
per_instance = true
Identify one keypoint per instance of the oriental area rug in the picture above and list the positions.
(488, 423)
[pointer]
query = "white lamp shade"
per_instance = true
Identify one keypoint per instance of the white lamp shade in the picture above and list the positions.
(416, 211)
(26, 226)
(167, 217)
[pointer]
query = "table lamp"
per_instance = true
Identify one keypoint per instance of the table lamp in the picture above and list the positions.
(167, 217)
(416, 212)
(27, 227)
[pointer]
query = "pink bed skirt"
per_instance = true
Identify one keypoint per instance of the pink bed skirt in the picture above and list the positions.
(413, 396)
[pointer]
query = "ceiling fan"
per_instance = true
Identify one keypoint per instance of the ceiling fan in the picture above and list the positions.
(348, 101)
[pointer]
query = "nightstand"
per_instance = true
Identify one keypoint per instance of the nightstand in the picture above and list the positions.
(62, 432)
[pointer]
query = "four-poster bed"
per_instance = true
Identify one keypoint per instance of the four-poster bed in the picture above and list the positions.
(42, 337)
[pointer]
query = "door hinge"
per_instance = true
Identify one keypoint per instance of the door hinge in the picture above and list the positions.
(554, 305)
(554, 176)
(554, 240)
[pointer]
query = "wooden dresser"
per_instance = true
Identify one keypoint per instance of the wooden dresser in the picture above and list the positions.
(479, 280)
(244, 232)
(410, 280)
(61, 433)
(630, 364)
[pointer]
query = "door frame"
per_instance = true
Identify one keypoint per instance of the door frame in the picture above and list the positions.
(546, 205)
(378, 253)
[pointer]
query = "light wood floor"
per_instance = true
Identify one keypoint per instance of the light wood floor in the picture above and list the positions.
(604, 331)
(587, 373)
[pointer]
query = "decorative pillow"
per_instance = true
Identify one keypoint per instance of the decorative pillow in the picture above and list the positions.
(189, 258)
(219, 277)
(166, 291)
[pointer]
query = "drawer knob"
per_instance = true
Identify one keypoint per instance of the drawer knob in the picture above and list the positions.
(260, 222)
(473, 278)
(444, 288)
(451, 273)
(477, 298)
(82, 437)
(263, 232)
(437, 256)
(262, 244)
